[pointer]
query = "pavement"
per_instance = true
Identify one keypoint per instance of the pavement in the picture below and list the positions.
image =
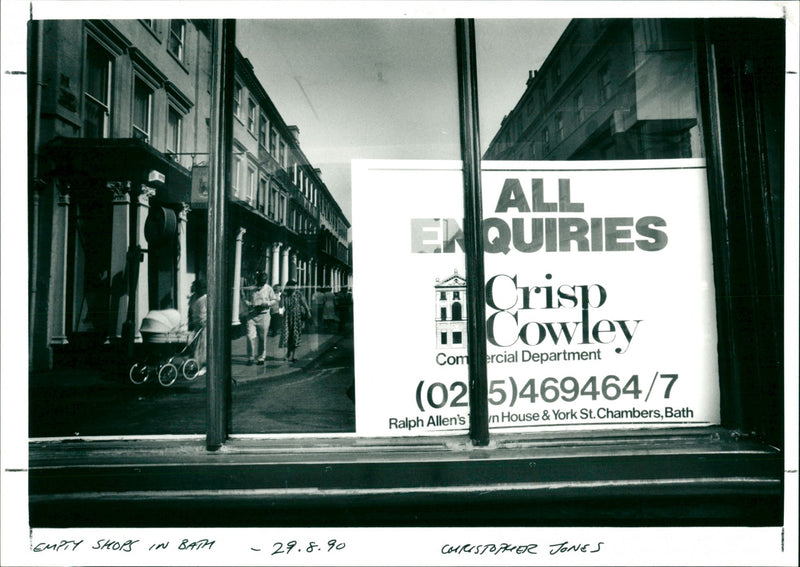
(314, 344)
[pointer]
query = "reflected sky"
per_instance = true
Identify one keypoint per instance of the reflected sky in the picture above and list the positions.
(386, 89)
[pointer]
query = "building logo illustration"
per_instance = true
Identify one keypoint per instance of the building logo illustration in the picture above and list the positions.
(451, 321)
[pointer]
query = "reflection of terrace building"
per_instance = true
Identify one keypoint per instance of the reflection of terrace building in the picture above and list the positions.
(451, 323)
(119, 120)
(601, 93)
(118, 124)
(288, 223)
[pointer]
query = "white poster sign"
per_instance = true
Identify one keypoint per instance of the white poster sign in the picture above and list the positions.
(599, 296)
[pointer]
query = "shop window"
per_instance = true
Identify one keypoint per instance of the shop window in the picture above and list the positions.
(142, 110)
(97, 108)
(594, 235)
(177, 32)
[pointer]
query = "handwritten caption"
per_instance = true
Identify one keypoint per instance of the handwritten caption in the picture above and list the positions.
(135, 545)
(560, 548)
(296, 547)
(123, 546)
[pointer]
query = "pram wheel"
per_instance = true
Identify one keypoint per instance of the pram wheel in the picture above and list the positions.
(167, 374)
(139, 373)
(190, 368)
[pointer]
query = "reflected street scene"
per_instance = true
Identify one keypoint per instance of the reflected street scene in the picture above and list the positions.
(120, 294)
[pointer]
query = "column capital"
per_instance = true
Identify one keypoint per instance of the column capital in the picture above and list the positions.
(276, 246)
(63, 188)
(120, 191)
(143, 195)
(183, 213)
(240, 233)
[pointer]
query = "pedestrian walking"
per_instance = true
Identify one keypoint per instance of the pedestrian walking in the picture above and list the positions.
(258, 317)
(294, 315)
(318, 302)
(343, 303)
(276, 313)
(198, 309)
(329, 310)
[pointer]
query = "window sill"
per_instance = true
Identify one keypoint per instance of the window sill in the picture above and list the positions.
(698, 476)
(152, 31)
(179, 61)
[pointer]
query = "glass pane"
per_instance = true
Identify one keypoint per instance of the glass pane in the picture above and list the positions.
(597, 234)
(336, 91)
(176, 38)
(173, 131)
(116, 293)
(97, 71)
(94, 120)
(141, 107)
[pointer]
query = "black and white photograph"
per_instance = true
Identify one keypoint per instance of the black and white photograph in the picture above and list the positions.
(399, 283)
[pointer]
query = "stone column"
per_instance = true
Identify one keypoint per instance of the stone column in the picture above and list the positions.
(58, 266)
(293, 266)
(118, 267)
(182, 276)
(275, 272)
(312, 274)
(285, 265)
(237, 276)
(142, 304)
(268, 261)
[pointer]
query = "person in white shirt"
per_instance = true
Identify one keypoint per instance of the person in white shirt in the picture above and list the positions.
(258, 317)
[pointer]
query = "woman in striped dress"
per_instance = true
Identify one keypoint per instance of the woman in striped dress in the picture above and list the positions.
(295, 313)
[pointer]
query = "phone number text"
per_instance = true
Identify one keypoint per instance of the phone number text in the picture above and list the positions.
(510, 391)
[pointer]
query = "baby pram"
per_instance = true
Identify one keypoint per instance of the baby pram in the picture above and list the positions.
(167, 350)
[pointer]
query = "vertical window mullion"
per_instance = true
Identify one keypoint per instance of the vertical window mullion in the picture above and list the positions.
(473, 230)
(218, 377)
